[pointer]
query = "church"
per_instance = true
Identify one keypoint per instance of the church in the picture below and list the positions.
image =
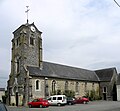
(32, 77)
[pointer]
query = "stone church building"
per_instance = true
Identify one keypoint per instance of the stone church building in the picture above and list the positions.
(31, 77)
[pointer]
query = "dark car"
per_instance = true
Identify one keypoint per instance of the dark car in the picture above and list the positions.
(3, 107)
(81, 100)
(40, 102)
(70, 101)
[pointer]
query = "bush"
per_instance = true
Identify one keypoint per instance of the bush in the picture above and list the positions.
(69, 93)
(93, 95)
(53, 93)
(59, 92)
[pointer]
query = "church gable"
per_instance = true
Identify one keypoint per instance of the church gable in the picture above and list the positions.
(106, 74)
(108, 79)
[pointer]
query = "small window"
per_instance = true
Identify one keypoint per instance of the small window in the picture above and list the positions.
(85, 86)
(17, 42)
(93, 85)
(53, 86)
(54, 98)
(18, 65)
(31, 41)
(59, 98)
(77, 88)
(37, 85)
(66, 85)
(104, 89)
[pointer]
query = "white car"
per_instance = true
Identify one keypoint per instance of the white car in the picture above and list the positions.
(57, 100)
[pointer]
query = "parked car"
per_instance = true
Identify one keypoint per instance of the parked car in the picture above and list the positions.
(3, 107)
(81, 100)
(71, 100)
(40, 102)
(57, 100)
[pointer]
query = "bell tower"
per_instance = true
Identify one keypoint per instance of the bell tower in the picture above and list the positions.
(26, 51)
(26, 47)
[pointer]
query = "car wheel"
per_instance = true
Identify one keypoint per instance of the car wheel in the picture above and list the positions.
(41, 106)
(70, 103)
(30, 106)
(84, 102)
(59, 104)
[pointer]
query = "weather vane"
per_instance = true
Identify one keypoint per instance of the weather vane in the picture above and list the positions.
(117, 3)
(27, 12)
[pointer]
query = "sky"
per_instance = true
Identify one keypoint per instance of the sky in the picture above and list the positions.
(78, 33)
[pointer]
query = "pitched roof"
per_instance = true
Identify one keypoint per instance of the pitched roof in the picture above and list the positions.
(26, 25)
(118, 80)
(62, 71)
(105, 74)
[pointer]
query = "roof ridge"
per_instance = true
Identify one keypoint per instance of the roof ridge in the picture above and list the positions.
(106, 69)
(68, 66)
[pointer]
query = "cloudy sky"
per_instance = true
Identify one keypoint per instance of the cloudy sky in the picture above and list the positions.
(79, 33)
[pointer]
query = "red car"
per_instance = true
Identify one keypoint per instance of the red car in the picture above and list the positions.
(40, 102)
(81, 100)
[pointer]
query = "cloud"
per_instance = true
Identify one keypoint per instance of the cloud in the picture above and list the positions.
(82, 33)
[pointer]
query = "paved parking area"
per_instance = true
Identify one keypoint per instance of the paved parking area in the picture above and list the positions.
(91, 106)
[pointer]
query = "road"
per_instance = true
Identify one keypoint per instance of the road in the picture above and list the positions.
(91, 106)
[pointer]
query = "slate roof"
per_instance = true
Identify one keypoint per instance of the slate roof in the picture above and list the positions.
(105, 74)
(62, 71)
(118, 80)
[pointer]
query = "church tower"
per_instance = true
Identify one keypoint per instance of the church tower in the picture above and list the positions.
(27, 47)
(26, 51)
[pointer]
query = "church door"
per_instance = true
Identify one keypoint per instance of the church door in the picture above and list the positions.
(114, 93)
(104, 96)
(16, 98)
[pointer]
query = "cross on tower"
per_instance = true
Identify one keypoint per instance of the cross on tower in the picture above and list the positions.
(27, 12)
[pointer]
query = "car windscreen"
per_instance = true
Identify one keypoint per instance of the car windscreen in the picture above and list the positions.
(49, 99)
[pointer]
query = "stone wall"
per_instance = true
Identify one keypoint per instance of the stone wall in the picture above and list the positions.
(60, 85)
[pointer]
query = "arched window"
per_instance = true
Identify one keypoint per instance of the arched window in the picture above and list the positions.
(104, 89)
(66, 85)
(93, 86)
(17, 64)
(53, 86)
(76, 87)
(37, 85)
(32, 41)
(85, 86)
